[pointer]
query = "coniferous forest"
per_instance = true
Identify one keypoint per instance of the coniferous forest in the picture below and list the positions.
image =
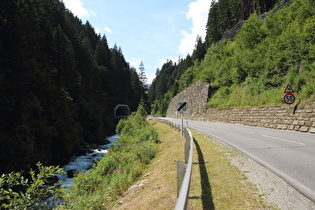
(59, 84)
(273, 45)
(60, 81)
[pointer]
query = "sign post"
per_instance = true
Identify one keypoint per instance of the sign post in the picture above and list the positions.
(288, 97)
(182, 107)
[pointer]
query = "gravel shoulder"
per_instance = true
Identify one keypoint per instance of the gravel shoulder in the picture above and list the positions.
(275, 192)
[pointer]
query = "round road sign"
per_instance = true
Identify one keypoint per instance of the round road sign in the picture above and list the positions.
(182, 107)
(288, 98)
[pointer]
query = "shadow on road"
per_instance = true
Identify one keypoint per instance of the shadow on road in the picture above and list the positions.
(206, 196)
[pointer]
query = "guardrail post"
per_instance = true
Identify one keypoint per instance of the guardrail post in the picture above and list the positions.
(180, 174)
(182, 125)
(186, 145)
(184, 173)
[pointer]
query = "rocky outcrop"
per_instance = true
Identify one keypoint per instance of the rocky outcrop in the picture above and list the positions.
(230, 34)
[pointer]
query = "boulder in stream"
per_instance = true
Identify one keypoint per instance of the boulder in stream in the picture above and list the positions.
(72, 173)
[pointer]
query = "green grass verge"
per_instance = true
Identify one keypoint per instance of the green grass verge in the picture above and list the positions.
(216, 183)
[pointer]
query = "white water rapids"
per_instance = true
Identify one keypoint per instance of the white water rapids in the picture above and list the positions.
(85, 162)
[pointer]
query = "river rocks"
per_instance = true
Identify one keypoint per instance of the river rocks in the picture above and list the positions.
(84, 162)
(107, 141)
(72, 173)
(51, 180)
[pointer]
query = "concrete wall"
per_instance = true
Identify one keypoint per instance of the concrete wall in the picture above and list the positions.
(283, 117)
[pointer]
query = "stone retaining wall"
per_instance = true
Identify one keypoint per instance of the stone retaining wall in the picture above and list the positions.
(300, 118)
(196, 97)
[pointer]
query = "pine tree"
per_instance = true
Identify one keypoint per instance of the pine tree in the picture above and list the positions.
(200, 50)
(157, 72)
(213, 33)
(142, 76)
(103, 53)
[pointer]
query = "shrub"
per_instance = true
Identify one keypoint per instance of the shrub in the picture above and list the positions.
(253, 68)
(18, 192)
(119, 168)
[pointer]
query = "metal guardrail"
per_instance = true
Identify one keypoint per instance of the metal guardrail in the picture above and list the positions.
(183, 174)
(183, 196)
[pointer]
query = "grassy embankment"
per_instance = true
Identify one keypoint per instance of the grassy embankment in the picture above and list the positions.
(96, 188)
(216, 183)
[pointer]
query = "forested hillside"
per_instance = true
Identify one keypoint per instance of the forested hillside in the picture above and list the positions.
(59, 83)
(251, 69)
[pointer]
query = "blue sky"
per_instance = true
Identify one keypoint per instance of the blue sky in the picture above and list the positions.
(151, 31)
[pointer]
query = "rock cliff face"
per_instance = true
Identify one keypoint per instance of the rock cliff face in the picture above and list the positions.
(301, 118)
(230, 34)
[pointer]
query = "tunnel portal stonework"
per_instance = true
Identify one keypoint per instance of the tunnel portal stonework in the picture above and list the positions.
(281, 117)
(121, 111)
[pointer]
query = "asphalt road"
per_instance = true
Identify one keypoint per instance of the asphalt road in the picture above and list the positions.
(289, 154)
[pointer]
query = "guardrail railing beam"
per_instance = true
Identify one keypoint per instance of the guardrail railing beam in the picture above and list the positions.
(183, 174)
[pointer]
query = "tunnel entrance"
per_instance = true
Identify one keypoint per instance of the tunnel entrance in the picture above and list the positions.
(121, 111)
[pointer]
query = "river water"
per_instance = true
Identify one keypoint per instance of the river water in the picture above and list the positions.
(85, 162)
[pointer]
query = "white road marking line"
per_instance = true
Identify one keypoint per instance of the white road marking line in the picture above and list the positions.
(250, 132)
(295, 142)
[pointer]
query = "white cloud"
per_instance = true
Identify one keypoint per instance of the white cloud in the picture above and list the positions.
(187, 44)
(93, 12)
(135, 62)
(107, 29)
(198, 13)
(76, 6)
(150, 78)
(103, 29)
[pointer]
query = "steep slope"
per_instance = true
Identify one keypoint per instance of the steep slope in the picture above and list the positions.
(58, 84)
(250, 69)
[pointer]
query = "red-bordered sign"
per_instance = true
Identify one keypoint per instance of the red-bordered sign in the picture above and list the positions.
(288, 98)
(288, 89)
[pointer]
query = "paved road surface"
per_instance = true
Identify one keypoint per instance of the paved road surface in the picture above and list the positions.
(289, 154)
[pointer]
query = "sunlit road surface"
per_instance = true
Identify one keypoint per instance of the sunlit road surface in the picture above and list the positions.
(289, 154)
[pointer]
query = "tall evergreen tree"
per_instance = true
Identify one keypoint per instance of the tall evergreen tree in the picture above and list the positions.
(142, 76)
(213, 33)
(200, 50)
(58, 84)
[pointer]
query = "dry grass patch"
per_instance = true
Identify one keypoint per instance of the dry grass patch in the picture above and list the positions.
(216, 183)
